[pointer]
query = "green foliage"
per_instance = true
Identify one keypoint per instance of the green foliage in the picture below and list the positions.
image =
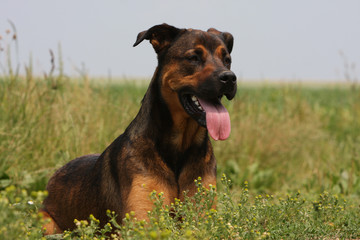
(237, 216)
(19, 217)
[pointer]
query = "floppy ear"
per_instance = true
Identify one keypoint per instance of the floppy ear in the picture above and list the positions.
(160, 36)
(225, 36)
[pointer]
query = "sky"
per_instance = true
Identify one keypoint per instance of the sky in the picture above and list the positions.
(317, 40)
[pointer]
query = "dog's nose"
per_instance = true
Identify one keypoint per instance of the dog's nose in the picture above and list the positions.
(228, 82)
(227, 77)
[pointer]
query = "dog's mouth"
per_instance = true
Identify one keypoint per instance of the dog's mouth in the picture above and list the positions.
(210, 114)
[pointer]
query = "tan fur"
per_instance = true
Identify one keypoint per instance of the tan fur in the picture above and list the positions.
(50, 226)
(139, 197)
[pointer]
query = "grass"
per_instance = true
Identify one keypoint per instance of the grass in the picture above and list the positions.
(238, 216)
(294, 136)
(291, 164)
(282, 137)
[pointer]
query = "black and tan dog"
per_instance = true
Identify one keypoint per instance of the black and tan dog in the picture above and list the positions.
(166, 146)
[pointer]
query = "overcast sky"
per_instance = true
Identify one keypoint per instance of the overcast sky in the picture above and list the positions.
(274, 39)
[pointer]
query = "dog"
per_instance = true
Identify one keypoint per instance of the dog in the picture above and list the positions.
(166, 146)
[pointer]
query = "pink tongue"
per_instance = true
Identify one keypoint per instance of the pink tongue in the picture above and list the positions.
(217, 120)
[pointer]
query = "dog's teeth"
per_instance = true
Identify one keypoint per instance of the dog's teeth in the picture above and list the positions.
(196, 102)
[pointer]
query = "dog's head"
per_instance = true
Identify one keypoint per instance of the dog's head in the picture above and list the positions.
(194, 70)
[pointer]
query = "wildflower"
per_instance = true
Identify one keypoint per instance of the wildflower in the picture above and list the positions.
(265, 235)
(165, 233)
(109, 225)
(66, 234)
(153, 235)
(77, 222)
(11, 188)
(188, 233)
(84, 223)
(114, 236)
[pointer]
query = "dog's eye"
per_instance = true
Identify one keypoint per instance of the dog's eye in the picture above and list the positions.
(227, 61)
(194, 58)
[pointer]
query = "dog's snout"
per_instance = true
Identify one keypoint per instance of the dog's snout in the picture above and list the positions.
(227, 77)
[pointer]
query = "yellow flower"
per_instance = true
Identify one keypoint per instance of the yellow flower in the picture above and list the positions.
(153, 235)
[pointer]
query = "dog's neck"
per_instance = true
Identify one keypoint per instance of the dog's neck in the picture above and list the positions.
(173, 129)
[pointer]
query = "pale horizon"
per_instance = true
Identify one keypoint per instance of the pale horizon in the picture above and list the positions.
(275, 40)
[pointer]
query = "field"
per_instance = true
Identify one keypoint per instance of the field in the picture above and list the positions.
(291, 164)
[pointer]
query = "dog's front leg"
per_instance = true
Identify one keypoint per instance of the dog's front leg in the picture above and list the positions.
(139, 200)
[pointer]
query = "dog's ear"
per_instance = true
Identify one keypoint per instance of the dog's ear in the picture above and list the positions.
(160, 36)
(225, 36)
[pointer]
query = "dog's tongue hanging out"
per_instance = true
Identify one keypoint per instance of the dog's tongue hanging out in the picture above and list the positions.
(217, 120)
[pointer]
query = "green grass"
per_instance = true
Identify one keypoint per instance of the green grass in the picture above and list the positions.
(294, 136)
(238, 216)
(284, 138)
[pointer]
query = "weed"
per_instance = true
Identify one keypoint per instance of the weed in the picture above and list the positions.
(237, 216)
